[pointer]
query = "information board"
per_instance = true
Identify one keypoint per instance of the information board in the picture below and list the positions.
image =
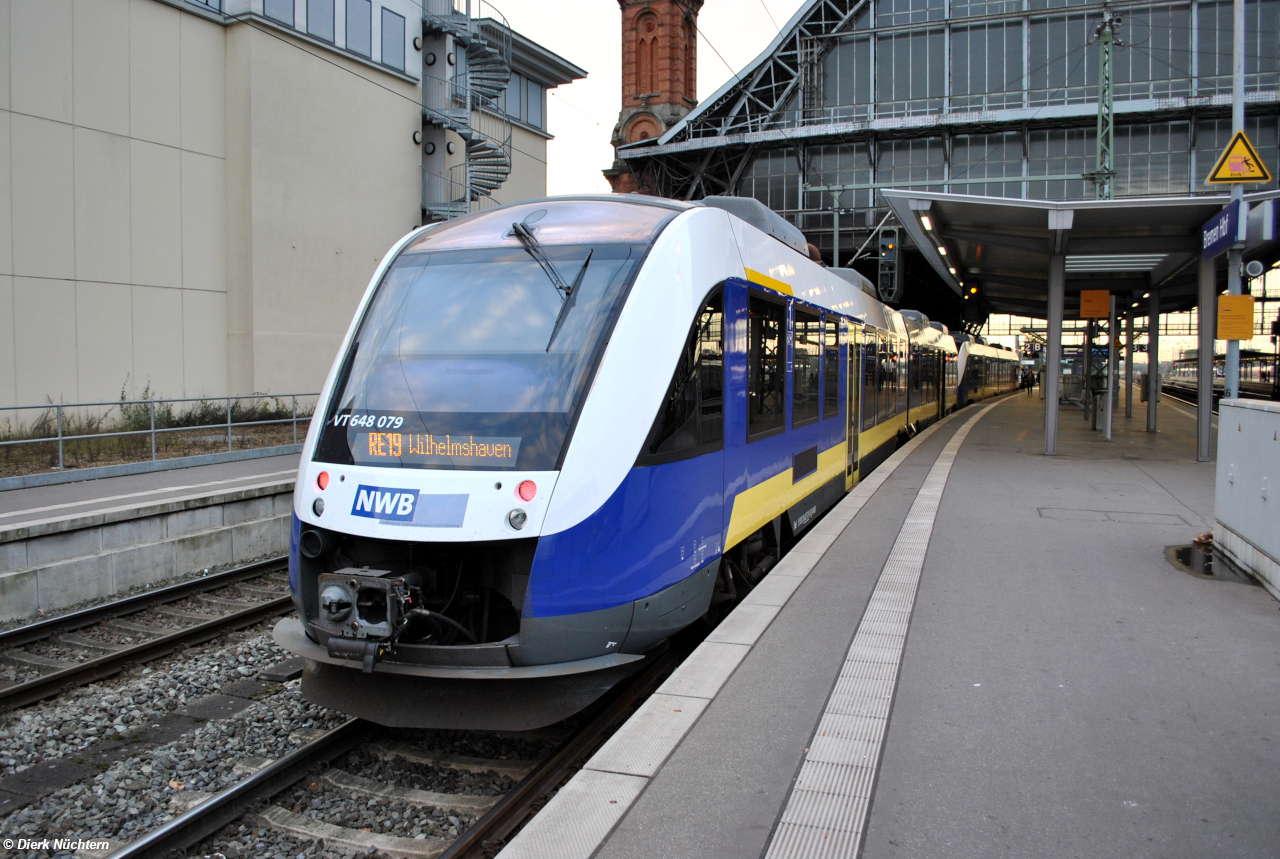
(1095, 303)
(1235, 317)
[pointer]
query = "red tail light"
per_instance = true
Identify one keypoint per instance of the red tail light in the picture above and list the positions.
(526, 490)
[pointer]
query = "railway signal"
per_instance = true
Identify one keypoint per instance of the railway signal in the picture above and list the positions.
(889, 282)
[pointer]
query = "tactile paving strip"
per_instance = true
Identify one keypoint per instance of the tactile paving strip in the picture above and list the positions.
(827, 811)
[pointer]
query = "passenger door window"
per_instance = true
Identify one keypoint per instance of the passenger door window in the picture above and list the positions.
(806, 355)
(830, 367)
(869, 360)
(766, 376)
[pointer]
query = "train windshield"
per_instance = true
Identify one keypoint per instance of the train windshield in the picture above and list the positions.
(476, 355)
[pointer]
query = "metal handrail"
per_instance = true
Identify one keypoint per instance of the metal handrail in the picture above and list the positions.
(153, 431)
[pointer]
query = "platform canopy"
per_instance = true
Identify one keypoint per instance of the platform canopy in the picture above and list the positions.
(1003, 246)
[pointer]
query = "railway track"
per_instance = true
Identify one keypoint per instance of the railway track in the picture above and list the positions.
(292, 797)
(1181, 396)
(84, 646)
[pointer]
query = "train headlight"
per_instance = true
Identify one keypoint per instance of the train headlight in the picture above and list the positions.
(317, 506)
(526, 490)
(517, 518)
(336, 602)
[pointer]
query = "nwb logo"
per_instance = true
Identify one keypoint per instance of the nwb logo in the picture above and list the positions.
(376, 502)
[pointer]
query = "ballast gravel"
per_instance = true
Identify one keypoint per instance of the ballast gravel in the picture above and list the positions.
(134, 795)
(426, 776)
(67, 725)
(331, 805)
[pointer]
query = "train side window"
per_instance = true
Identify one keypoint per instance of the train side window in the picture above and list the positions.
(806, 355)
(886, 376)
(691, 421)
(830, 367)
(901, 348)
(869, 379)
(766, 375)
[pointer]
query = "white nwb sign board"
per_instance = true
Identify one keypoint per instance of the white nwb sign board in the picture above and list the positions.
(1247, 497)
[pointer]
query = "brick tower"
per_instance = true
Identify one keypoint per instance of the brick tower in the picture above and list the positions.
(659, 74)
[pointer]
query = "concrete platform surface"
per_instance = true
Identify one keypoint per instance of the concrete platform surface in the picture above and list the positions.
(92, 496)
(1063, 689)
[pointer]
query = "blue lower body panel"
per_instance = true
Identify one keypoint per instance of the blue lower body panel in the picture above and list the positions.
(662, 525)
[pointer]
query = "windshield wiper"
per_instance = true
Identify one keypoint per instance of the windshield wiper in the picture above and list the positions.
(573, 297)
(535, 249)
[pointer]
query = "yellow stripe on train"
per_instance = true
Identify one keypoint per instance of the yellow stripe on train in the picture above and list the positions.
(766, 501)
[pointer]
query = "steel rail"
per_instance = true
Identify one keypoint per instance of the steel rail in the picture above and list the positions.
(43, 629)
(1183, 396)
(49, 685)
(230, 805)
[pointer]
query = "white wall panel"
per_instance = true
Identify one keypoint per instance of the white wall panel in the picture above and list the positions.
(204, 342)
(43, 198)
(44, 323)
(102, 65)
(204, 223)
(104, 337)
(6, 192)
(8, 354)
(4, 54)
(203, 86)
(154, 72)
(157, 341)
(40, 59)
(155, 177)
(102, 242)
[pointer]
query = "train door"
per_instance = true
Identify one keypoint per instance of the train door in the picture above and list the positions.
(853, 377)
(940, 361)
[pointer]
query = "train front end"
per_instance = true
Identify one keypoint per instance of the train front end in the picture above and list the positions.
(427, 474)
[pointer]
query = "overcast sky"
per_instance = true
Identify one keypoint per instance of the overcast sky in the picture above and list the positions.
(589, 34)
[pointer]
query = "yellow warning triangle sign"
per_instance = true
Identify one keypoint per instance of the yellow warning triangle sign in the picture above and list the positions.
(1239, 163)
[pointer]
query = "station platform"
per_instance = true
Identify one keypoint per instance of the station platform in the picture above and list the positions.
(66, 544)
(137, 490)
(981, 651)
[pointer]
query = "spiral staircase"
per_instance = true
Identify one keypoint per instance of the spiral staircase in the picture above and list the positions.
(468, 104)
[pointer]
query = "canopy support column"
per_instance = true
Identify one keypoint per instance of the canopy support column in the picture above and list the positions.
(1113, 363)
(1204, 357)
(1128, 362)
(1053, 357)
(1153, 357)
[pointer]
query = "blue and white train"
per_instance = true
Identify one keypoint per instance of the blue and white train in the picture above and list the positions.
(558, 432)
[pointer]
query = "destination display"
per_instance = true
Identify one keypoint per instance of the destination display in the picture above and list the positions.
(431, 449)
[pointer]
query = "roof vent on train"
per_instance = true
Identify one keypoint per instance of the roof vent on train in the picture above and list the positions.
(763, 218)
(938, 326)
(915, 320)
(856, 279)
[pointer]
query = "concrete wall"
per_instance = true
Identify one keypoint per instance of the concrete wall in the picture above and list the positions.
(56, 563)
(112, 201)
(193, 206)
(322, 178)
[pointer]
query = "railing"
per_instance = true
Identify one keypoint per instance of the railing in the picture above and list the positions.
(438, 190)
(463, 11)
(82, 428)
(447, 100)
